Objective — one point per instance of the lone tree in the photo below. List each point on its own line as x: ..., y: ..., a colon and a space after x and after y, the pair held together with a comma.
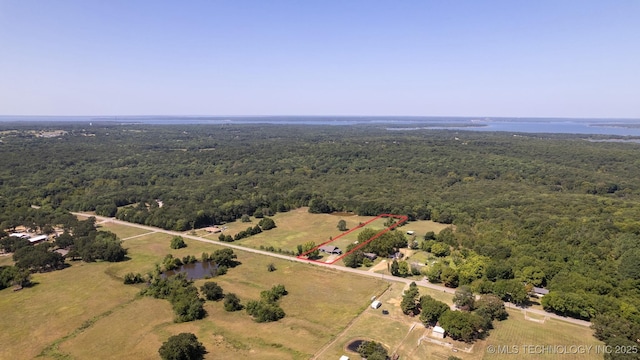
x: 212, y: 291
x: 232, y: 303
x: 184, y: 346
x: 342, y: 225
x: 178, y: 242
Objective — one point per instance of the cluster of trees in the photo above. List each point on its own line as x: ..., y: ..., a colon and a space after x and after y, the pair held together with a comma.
x: 372, y: 350
x: 267, y: 308
x: 181, y: 293
x: 471, y: 320
x: 384, y: 245
x: 554, y: 210
x: 306, y: 249
x: 460, y: 266
x: 80, y: 237
x: 214, y: 292
x: 14, y: 276
x: 38, y: 258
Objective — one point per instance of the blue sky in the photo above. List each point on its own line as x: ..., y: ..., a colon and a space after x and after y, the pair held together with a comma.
x: 577, y: 58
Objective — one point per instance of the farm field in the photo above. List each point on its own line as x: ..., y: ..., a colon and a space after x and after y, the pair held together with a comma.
x: 86, y: 310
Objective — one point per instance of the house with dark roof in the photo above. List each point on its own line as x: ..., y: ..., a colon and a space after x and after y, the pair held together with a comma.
x: 370, y: 256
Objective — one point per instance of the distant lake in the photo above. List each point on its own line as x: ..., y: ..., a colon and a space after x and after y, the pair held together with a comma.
x: 621, y: 127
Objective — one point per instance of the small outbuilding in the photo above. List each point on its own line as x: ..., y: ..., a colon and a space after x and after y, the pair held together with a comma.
x: 344, y: 357
x: 213, y: 229
x: 38, y: 239
x: 63, y: 252
x: 376, y: 304
x: 437, y: 332
x: 539, y: 292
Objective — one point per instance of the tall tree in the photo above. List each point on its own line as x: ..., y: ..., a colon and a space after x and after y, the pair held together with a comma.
x: 184, y: 346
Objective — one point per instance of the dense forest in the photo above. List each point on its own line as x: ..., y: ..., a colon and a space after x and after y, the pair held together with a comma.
x: 554, y: 210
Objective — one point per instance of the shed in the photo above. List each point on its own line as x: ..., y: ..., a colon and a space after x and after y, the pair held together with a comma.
x: 63, y: 252
x: 344, y: 357
x: 437, y: 332
x: 540, y: 292
x: 376, y: 304
x: 410, y: 232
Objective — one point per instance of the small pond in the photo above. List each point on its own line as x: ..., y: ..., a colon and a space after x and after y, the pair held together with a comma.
x: 353, y: 346
x: 194, y: 271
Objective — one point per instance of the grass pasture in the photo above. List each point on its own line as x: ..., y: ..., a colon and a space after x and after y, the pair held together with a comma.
x: 296, y: 227
x: 85, y: 311
x: 123, y: 231
x: 299, y: 226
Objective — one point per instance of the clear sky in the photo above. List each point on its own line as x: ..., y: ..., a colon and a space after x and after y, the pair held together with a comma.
x: 569, y: 58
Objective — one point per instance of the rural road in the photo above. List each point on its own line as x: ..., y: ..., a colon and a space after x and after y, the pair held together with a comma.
x: 423, y: 283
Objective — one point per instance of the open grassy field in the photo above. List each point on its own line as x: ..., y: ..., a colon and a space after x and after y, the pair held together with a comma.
x: 518, y: 331
x: 85, y: 311
x: 6, y: 260
x: 59, y: 303
x: 299, y: 226
x: 123, y: 231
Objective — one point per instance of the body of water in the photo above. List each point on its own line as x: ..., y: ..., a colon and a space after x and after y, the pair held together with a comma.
x: 620, y: 127
x: 194, y: 271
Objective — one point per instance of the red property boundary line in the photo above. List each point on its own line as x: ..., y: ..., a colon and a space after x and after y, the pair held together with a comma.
x: 402, y: 219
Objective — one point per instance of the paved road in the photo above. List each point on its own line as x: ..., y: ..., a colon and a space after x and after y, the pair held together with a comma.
x: 423, y: 283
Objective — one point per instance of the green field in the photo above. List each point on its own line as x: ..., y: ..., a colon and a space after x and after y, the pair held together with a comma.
x: 298, y: 226
x: 123, y: 231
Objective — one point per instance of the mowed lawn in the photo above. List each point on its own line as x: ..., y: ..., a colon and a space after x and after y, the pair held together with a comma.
x: 518, y: 331
x: 86, y: 312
